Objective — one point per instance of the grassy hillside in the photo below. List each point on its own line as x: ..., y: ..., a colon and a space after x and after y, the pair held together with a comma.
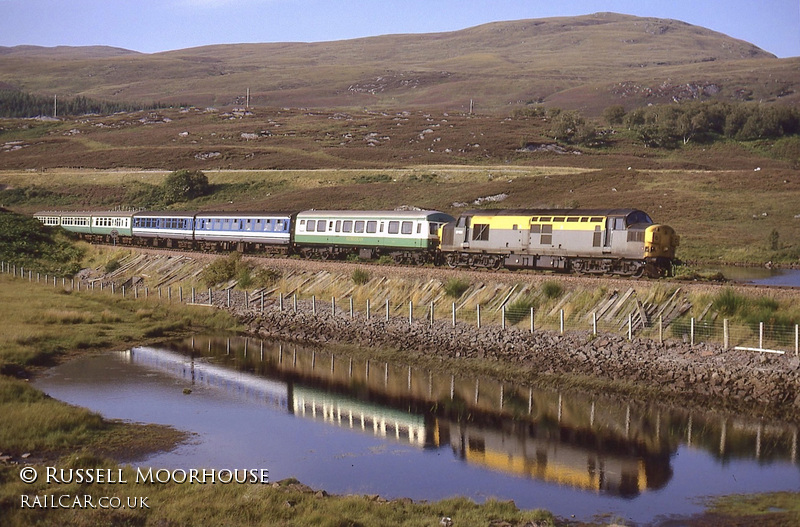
x: 558, y: 60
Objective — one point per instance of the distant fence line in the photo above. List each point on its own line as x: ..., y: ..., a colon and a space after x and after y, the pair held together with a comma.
x: 765, y: 338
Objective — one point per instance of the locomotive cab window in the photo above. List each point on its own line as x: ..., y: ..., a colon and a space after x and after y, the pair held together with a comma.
x: 638, y: 216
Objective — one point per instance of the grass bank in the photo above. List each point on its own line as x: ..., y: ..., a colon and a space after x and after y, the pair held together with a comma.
x: 45, y: 326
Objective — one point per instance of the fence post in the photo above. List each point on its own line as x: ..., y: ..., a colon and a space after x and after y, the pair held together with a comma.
x: 210, y: 297
x: 194, y: 296
x: 725, y: 334
x: 479, y: 315
x: 503, y: 317
x: 594, y: 323
x: 561, y: 320
x: 532, y: 315
x: 630, y: 326
x: 432, y: 312
x: 352, y: 314
x: 314, y: 305
x: 280, y: 302
x: 410, y: 311
x: 294, y: 300
x: 761, y: 335
x: 180, y: 294
x: 333, y: 306
x: 660, y: 328
x: 454, y: 314
x: 368, y: 313
x: 229, y: 299
x: 691, y: 333
x: 796, y: 340
x: 387, y: 310
x: 262, y: 300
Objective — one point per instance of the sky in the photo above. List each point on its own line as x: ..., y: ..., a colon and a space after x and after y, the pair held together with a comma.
x: 151, y: 26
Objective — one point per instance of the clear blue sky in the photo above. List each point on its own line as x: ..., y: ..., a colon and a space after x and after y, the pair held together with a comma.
x: 160, y: 25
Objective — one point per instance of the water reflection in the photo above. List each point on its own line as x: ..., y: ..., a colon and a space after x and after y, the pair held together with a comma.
x: 586, y: 443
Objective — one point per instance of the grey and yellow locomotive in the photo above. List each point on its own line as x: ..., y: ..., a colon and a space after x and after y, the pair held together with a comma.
x: 601, y: 241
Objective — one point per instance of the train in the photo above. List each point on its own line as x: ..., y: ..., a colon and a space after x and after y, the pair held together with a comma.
x: 623, y: 242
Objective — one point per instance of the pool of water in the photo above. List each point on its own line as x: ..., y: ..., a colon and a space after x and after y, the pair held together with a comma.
x: 758, y: 275
x: 350, y: 425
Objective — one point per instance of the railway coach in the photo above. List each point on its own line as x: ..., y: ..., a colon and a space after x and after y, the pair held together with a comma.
x: 405, y: 236
x: 99, y: 227
x: 601, y: 241
x: 244, y: 231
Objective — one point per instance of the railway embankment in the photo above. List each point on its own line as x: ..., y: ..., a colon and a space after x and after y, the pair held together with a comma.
x: 313, y: 303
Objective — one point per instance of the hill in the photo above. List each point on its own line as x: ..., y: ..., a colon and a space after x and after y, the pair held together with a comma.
x: 587, y: 62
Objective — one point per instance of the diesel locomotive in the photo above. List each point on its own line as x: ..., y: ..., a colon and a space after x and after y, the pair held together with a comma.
x: 592, y: 241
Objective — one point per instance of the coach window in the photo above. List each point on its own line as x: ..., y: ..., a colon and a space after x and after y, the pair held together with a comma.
x: 311, y: 225
x: 394, y: 227
x: 419, y: 228
x: 372, y: 226
x: 573, y: 219
x: 347, y: 226
x: 584, y: 219
x: 321, y: 225
x: 359, y: 227
x: 279, y: 225
x: 338, y: 226
x: 558, y: 218
x: 407, y: 227
x: 248, y: 226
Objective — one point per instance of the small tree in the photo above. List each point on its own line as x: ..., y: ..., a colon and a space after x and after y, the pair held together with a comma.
x: 183, y: 185
x: 614, y: 114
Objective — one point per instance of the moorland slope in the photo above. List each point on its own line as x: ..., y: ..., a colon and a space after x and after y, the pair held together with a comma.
x: 585, y: 62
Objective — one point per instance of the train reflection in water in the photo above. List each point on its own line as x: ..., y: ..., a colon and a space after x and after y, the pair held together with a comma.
x: 591, y: 443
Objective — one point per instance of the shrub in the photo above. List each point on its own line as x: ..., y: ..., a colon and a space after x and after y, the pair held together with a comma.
x: 221, y: 270
x: 728, y: 302
x: 360, y: 276
x: 552, y: 289
x: 455, y: 287
x: 111, y: 266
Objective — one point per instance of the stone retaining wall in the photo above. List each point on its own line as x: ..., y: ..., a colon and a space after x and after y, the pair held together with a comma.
x: 705, y: 373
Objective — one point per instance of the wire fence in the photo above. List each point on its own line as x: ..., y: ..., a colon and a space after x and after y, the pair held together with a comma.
x: 765, y: 336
